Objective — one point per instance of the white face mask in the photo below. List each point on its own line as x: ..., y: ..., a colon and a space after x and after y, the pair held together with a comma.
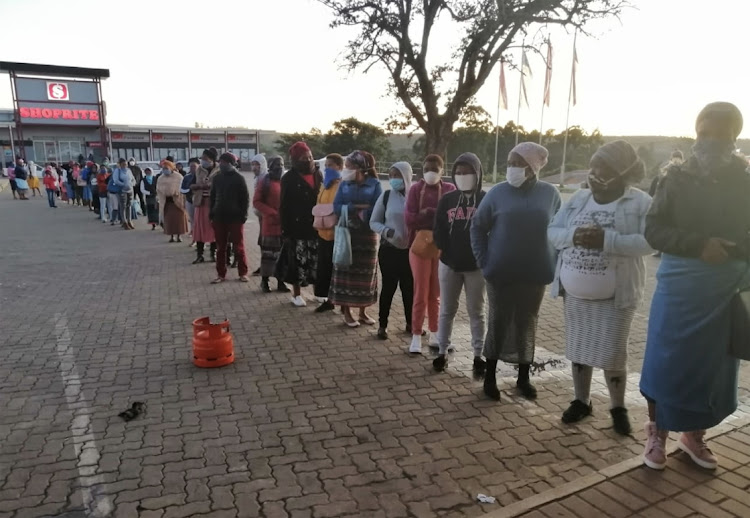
x: 431, y: 177
x: 348, y: 175
x: 131, y: 163
x: 516, y: 176
x: 466, y: 182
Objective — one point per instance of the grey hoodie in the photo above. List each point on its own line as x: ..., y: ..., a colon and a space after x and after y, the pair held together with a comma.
x: 384, y: 219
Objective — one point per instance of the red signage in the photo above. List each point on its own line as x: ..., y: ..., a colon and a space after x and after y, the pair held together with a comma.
x: 49, y: 113
x: 57, y: 91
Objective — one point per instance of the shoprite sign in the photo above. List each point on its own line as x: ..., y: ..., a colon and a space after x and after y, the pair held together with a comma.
x: 69, y: 103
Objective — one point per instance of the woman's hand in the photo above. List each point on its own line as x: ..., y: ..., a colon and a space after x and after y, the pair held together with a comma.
x: 716, y: 250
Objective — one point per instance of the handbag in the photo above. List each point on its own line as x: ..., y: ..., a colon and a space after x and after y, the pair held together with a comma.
x: 739, y: 311
x: 324, y: 216
x: 424, y: 243
x: 342, y: 241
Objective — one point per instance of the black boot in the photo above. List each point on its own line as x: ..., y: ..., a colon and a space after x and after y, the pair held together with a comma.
x: 212, y: 253
x: 479, y: 367
x: 199, y: 259
x: 281, y: 287
x: 265, y: 288
x: 490, y: 381
x: 523, y: 384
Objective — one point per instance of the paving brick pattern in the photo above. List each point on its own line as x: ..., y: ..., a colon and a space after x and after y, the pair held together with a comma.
x: 683, y: 490
x: 312, y: 419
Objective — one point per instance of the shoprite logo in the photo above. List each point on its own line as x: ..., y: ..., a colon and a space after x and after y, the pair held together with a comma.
x: 57, y: 91
x: 55, y: 113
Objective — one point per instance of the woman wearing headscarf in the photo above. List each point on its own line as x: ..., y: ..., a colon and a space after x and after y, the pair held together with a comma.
x: 21, y: 172
x: 259, y: 167
x: 266, y: 201
x: 297, y: 263
x: 331, y: 180
x: 421, y: 207
x: 203, y: 231
x: 148, y: 189
x: 356, y: 286
x: 34, y: 184
x: 389, y: 221
x: 171, y: 202
x: 700, y: 220
x: 458, y: 270
x: 602, y: 273
x: 509, y: 239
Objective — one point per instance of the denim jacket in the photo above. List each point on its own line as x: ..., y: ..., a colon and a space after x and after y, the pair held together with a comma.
x: 626, y: 244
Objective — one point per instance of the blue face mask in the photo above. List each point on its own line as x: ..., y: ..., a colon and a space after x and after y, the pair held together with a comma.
x: 397, y: 184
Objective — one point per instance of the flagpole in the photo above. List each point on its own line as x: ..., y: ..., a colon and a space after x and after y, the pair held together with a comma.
x: 520, y: 91
x: 567, y: 116
x: 544, y: 100
x: 497, y: 130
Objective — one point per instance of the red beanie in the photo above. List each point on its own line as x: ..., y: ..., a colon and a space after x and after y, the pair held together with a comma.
x: 298, y: 150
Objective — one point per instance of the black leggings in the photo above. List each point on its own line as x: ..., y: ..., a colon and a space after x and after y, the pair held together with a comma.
x: 395, y: 270
x: 324, y: 272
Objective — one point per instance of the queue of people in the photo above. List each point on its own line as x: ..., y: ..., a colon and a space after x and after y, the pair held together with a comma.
x: 502, y: 249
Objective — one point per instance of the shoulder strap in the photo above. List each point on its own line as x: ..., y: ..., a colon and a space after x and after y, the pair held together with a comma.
x: 385, y: 199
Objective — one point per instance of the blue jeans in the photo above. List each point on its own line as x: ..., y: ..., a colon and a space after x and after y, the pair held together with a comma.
x: 51, y: 197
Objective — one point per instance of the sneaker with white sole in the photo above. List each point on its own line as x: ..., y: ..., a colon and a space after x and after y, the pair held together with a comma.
x: 655, y: 456
x: 694, y: 445
x: 416, y: 345
x: 321, y: 300
x: 299, y: 302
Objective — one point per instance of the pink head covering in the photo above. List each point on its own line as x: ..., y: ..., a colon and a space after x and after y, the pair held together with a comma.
x: 534, y: 155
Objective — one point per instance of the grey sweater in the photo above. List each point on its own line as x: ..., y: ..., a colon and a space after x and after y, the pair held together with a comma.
x: 509, y: 233
x: 384, y: 219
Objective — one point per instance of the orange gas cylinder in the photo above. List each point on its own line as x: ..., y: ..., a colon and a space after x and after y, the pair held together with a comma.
x: 213, y: 345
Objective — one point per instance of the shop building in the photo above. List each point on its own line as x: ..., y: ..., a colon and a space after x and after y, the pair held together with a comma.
x: 59, y: 115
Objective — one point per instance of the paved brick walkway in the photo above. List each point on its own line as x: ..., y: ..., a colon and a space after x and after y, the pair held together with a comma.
x: 313, y: 419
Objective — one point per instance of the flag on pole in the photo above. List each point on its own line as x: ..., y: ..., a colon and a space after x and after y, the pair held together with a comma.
x: 525, y: 71
x: 548, y: 74
x: 503, y: 88
x: 575, y: 63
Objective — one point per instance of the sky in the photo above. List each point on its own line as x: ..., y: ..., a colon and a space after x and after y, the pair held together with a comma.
x: 276, y: 65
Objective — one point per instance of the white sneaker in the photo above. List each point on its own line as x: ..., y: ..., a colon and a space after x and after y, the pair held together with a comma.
x: 299, y: 302
x: 321, y: 300
x: 451, y: 348
x: 416, y: 345
x: 434, y: 343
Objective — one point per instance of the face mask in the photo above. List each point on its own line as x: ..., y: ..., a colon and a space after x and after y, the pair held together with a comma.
x: 466, y: 182
x: 431, y: 177
x: 131, y: 163
x: 225, y: 168
x: 348, y: 175
x: 207, y: 164
x: 712, y: 153
x: 166, y: 171
x: 601, y: 186
x: 397, y: 184
x: 516, y: 176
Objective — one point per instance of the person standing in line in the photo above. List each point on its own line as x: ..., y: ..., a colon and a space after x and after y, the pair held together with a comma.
x: 331, y: 181
x: 601, y: 272
x: 93, y: 183
x: 84, y: 180
x: 421, y: 207
x: 356, y: 286
x: 70, y: 188
x: 21, y: 175
x: 171, y: 202
x: 102, y: 181
x: 300, y: 186
x: 12, y: 182
x: 266, y: 201
x: 509, y: 240
x: 259, y: 167
x: 229, y: 203
x: 700, y: 219
x: 113, y: 199
x: 124, y: 179
x: 187, y: 192
x: 33, y: 184
x: 203, y: 231
x: 148, y: 188
x: 388, y: 220
x: 458, y: 270
x: 50, y: 185
x: 138, y: 176
x: 80, y: 183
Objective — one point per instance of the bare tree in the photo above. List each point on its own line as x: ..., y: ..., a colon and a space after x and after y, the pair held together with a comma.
x: 397, y: 34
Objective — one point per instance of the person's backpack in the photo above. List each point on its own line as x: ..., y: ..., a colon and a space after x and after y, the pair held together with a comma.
x: 385, y: 199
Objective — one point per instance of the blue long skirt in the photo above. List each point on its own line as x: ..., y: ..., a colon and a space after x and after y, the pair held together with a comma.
x: 687, y: 370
